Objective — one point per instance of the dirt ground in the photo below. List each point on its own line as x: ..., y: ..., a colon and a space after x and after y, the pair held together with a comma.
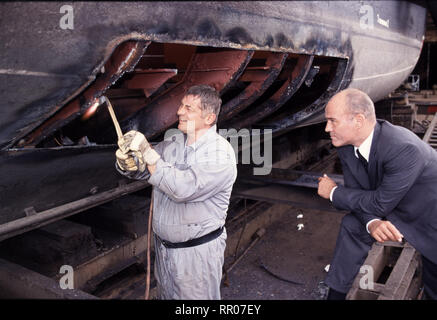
x: 292, y: 254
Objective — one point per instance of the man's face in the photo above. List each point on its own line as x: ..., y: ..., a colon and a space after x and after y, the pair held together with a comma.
x: 340, y: 124
x: 190, y: 115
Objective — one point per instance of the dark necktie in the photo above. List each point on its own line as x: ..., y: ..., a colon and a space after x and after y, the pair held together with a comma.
x: 362, y: 159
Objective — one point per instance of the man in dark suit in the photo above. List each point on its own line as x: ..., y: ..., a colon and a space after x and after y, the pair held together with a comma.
x: 390, y: 189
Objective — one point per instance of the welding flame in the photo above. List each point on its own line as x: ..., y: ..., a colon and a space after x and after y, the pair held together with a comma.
x: 91, y: 110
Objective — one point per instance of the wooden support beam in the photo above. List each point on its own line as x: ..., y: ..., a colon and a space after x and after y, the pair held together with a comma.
x: 19, y: 282
x: 430, y: 130
x: 22, y: 225
x: 89, y: 274
x: 400, y: 278
x: 377, y: 259
x: 46, y: 249
x: 404, y: 280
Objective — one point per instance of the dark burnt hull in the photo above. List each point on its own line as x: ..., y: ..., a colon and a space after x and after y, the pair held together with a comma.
x: 275, y: 63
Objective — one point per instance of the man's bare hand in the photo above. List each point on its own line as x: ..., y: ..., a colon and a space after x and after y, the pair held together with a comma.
x: 326, y: 184
x: 384, y: 231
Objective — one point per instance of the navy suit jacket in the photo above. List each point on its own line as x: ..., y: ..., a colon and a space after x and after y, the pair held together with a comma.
x: 400, y: 185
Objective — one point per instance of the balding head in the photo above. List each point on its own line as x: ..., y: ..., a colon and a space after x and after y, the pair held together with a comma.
x: 357, y: 102
x: 350, y: 116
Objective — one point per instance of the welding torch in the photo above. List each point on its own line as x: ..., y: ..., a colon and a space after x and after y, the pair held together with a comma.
x: 113, y: 117
x: 124, y: 153
x: 134, y: 151
x: 94, y: 107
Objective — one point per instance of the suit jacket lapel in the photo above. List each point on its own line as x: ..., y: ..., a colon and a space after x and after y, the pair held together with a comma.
x: 357, y: 168
x: 372, y: 167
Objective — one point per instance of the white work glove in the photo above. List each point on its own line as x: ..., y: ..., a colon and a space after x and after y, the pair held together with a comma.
x: 126, y: 161
x: 136, y: 142
x: 125, y: 141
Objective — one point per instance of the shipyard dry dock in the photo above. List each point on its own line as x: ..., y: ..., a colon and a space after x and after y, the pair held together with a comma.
x: 64, y: 209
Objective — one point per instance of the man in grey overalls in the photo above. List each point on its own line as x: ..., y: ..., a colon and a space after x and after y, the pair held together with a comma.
x: 192, y: 172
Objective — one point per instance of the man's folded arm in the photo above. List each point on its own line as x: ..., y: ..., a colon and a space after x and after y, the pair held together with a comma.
x: 351, y: 182
x: 401, y: 171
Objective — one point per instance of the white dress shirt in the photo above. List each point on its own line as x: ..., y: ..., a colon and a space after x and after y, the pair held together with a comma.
x: 364, y: 149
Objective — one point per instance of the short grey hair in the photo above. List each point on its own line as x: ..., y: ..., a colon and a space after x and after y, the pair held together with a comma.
x: 209, y: 98
x: 359, y: 102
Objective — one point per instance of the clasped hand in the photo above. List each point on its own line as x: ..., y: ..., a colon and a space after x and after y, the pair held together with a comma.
x: 383, y: 230
x: 326, y: 185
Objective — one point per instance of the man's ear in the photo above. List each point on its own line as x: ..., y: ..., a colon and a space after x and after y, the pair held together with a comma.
x: 210, y: 118
x: 360, y: 119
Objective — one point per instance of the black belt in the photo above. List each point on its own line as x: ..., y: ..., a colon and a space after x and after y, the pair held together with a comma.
x: 193, y: 242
